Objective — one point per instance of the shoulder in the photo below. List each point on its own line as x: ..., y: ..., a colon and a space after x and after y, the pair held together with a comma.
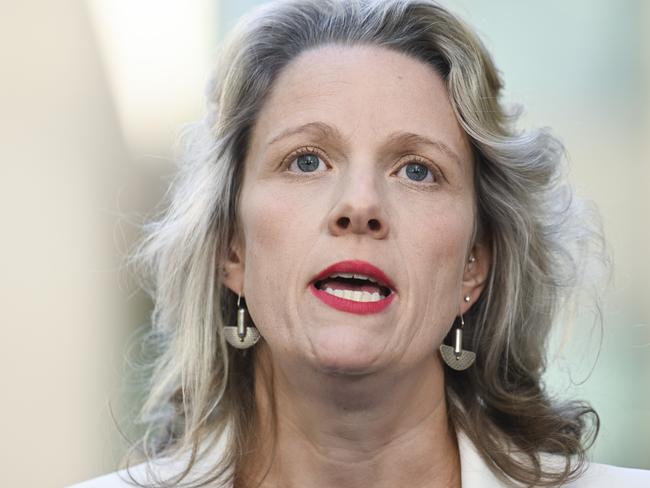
x: 150, y: 473
x: 595, y: 475
x: 606, y: 476
x: 166, y: 469
x: 158, y: 471
x: 119, y: 479
x: 476, y: 474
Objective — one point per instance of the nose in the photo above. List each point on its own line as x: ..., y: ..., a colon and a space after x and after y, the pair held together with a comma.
x: 359, y: 209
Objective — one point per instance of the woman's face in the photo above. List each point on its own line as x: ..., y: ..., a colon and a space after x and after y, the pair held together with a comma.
x: 356, y: 155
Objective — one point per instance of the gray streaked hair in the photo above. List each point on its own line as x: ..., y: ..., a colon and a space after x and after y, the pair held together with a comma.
x: 542, y: 238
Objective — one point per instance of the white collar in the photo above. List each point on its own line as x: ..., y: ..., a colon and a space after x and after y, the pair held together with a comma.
x: 474, y: 471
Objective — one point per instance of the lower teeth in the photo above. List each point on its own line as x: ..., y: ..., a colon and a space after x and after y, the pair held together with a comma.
x: 356, y: 295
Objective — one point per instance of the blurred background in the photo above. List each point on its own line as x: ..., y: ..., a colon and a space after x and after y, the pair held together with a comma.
x: 93, y: 93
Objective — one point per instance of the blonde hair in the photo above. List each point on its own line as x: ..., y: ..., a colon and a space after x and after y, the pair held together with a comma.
x: 540, y: 235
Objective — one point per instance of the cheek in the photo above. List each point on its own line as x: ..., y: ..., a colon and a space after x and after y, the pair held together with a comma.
x: 265, y: 216
x: 439, y: 234
x: 435, y: 245
x: 280, y: 222
x: 269, y: 219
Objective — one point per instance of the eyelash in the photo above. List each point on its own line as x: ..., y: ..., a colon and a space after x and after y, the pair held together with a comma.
x: 435, y: 172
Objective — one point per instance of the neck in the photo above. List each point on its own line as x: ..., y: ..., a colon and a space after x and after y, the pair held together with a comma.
x: 380, y: 430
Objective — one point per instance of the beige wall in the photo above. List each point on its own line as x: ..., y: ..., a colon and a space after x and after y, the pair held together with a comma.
x: 62, y: 312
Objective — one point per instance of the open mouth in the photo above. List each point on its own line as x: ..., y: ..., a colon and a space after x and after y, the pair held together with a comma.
x: 350, y: 286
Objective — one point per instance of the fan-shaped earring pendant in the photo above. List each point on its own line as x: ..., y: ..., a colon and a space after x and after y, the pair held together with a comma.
x: 249, y: 339
x: 459, y: 362
x: 241, y: 336
x: 456, y: 357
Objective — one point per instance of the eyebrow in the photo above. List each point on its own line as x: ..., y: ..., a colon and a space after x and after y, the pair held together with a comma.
x: 320, y: 128
x: 396, y: 138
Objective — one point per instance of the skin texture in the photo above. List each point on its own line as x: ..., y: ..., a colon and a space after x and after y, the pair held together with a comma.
x: 359, y: 398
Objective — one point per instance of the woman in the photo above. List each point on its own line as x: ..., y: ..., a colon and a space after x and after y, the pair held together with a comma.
x: 359, y: 268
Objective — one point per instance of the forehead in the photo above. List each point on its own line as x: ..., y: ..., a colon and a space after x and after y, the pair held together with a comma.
x: 366, y: 92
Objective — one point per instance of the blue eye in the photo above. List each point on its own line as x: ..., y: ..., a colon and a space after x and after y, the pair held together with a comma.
x: 417, y: 172
x: 307, y: 162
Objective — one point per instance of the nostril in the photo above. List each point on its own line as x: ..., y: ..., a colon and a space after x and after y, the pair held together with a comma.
x: 374, y: 224
x: 343, y: 222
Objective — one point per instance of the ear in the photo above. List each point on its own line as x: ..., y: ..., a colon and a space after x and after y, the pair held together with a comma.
x: 475, y: 275
x: 232, y: 267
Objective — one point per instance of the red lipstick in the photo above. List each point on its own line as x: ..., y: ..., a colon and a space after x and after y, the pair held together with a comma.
x: 357, y: 267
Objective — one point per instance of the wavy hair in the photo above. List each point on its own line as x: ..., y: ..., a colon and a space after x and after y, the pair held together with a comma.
x: 542, y: 239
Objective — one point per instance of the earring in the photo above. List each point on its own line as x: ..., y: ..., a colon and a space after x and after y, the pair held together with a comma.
x: 456, y: 357
x: 241, y: 336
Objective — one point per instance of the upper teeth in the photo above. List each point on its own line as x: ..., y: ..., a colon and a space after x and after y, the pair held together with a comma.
x: 353, y: 275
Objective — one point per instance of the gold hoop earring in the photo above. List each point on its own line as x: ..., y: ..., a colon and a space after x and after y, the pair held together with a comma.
x: 455, y: 356
x: 241, y: 336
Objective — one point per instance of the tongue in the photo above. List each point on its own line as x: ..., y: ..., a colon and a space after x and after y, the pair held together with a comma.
x: 344, y: 285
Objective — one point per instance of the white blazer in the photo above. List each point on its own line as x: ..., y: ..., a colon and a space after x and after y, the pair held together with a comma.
x: 474, y: 473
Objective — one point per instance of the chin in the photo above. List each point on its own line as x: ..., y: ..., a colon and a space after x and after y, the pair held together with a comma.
x: 344, y: 355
